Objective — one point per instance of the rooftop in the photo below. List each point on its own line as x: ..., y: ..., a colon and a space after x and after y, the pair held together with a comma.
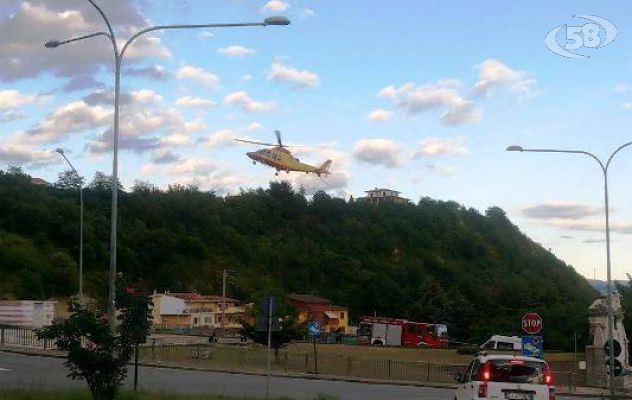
x: 308, y: 298
x: 381, y: 190
x: 191, y: 296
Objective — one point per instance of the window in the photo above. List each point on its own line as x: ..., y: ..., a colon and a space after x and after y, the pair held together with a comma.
x: 411, y: 330
x: 489, y: 345
x: 195, y: 321
x: 468, y: 371
x: 475, y: 370
x: 516, y: 371
x: 342, y: 315
x: 505, y: 346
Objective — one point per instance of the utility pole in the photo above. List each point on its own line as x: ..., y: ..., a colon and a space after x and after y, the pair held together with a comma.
x: 223, y: 302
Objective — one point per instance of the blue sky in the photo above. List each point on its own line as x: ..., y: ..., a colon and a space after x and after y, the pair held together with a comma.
x: 418, y: 96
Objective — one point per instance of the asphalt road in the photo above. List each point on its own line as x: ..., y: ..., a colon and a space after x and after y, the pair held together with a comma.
x: 45, y: 372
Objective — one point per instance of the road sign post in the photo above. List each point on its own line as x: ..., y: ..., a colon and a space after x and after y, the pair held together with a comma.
x: 313, y: 329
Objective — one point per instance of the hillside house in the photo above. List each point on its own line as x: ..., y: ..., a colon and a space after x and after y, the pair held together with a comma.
x: 377, y: 196
x: 332, y: 318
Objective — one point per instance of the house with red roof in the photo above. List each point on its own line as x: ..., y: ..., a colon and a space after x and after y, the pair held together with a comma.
x: 332, y: 317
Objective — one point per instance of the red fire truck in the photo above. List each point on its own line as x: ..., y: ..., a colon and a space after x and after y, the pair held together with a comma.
x: 400, y: 332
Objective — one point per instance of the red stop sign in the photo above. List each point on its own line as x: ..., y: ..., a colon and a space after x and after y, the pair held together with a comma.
x: 532, y: 323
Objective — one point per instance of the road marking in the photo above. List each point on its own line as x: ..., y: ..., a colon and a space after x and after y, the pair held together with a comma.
x: 4, y: 369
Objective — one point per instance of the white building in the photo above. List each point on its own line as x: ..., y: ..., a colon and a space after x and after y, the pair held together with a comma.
x: 27, y: 313
x: 377, y: 196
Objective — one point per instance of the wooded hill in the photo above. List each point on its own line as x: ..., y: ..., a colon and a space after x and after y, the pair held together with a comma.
x: 433, y: 261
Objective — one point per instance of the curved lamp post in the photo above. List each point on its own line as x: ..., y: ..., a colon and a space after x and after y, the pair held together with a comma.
x: 118, y: 58
x: 604, y: 170
x: 61, y: 152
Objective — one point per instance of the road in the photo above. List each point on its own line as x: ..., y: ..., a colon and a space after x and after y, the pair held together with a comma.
x: 46, y: 372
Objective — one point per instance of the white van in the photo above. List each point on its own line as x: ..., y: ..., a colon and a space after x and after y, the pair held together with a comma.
x: 498, y: 342
x: 505, y: 377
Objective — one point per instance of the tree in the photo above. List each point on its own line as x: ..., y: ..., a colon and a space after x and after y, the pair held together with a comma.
x: 102, y: 360
x: 69, y: 180
x: 102, y: 182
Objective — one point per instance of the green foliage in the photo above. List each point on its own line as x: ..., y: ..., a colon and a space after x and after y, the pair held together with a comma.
x: 94, y: 354
x: 433, y: 261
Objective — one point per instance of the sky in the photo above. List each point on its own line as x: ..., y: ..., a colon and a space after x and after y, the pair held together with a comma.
x: 417, y: 96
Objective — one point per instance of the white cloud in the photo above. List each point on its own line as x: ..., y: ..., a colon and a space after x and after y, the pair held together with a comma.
x: 19, y: 154
x: 191, y: 166
x: 626, y: 106
x: 145, y: 96
x: 297, y: 78
x: 493, y: 73
x: 222, y: 137
x: 198, y: 102
x: 588, y: 226
x: 380, y: 114
x: 246, y: 103
x: 198, y: 75
x: 432, y: 147
x: 13, y: 99
x: 378, y: 152
x: 246, y: 78
x: 275, y: 6
x: 560, y: 210
x: 206, y: 35
x: 439, y: 95
x: 236, y: 51
x: 445, y: 170
x: 336, y: 183
x: 307, y: 12
x: 73, y: 117
x: 35, y: 22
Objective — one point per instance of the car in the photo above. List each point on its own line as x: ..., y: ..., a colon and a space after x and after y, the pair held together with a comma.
x: 499, y: 342
x: 505, y: 377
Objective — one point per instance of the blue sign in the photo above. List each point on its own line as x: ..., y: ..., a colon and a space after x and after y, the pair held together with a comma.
x: 532, y: 346
x: 313, y: 328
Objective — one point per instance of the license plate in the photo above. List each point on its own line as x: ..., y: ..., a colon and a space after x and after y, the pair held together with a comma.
x: 518, y: 396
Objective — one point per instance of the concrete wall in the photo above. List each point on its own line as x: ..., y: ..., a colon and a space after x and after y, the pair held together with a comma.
x: 27, y: 313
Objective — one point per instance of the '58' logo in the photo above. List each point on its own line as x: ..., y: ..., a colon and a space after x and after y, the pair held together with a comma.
x: 590, y: 35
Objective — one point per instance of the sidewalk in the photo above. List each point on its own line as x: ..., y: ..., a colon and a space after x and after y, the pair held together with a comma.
x: 586, y: 392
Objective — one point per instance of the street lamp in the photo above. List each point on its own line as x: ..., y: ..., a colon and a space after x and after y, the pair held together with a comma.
x: 61, y: 152
x: 604, y: 169
x: 118, y: 58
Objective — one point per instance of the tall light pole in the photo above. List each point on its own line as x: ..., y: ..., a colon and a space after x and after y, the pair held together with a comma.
x: 118, y: 58
x: 61, y: 152
x: 604, y: 170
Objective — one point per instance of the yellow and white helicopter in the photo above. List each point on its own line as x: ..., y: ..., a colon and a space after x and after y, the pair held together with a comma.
x: 279, y: 158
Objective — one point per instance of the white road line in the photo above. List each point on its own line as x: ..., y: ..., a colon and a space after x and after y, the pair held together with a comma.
x: 4, y: 369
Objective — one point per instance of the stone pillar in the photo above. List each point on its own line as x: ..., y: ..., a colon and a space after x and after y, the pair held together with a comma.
x: 595, y: 355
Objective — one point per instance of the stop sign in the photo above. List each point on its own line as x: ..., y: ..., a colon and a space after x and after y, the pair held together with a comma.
x: 532, y: 323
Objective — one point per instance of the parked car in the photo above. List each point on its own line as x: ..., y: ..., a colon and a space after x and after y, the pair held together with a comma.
x: 498, y: 342
x: 505, y: 377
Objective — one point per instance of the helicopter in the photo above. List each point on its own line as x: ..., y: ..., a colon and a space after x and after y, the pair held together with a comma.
x: 279, y: 158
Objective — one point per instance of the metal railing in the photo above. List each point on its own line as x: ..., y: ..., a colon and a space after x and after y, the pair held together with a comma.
x: 284, y: 361
x: 23, y: 337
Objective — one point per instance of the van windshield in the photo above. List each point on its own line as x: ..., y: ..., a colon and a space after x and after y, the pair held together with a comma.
x: 516, y: 371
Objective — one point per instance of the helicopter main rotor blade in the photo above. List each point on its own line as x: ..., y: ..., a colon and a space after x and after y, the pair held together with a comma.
x: 278, y: 136
x: 252, y: 142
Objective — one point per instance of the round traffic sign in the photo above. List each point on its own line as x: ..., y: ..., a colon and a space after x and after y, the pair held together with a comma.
x: 618, y: 368
x: 617, y: 348
x: 532, y: 323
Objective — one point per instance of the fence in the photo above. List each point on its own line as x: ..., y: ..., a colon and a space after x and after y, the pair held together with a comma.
x: 23, y: 337
x: 249, y: 359
x: 282, y: 361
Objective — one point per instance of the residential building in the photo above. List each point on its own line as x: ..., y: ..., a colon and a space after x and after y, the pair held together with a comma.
x: 332, y: 318
x: 39, y: 182
x: 196, y: 311
x: 27, y: 313
x: 377, y: 196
